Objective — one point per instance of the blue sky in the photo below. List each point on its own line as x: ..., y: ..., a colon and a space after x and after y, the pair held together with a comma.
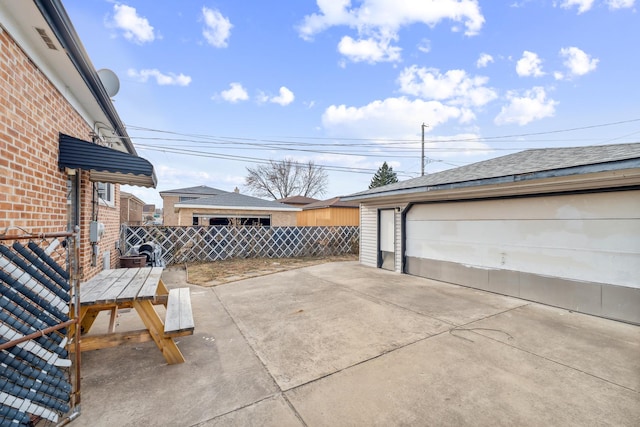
x: 208, y: 88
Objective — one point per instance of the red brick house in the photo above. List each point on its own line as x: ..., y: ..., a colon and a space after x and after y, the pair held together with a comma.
x: 63, y: 148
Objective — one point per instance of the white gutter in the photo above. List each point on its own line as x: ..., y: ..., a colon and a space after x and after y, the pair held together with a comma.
x: 584, y: 182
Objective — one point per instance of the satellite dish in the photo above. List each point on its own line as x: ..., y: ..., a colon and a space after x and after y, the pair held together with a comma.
x: 109, y: 81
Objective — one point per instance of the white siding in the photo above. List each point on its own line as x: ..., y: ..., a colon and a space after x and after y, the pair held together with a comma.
x: 368, y: 236
x: 589, y: 237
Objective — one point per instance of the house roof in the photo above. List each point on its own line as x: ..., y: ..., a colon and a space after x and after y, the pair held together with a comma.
x: 335, y: 202
x: 65, y: 63
x: 235, y: 201
x: 297, y: 200
x: 125, y: 195
x: 200, y: 190
x: 522, y: 166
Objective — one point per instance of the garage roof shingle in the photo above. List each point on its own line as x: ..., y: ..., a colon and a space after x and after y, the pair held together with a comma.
x: 518, y: 164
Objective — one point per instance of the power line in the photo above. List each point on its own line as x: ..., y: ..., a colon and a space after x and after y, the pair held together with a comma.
x: 388, y: 140
x: 197, y: 153
x: 393, y: 148
x: 447, y: 149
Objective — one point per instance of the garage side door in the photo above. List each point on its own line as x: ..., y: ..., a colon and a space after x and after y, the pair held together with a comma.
x: 387, y: 239
x: 577, y: 251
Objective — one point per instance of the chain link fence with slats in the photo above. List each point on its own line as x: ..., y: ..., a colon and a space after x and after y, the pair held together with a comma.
x: 216, y: 243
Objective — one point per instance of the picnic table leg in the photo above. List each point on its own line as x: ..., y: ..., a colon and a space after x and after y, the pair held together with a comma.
x: 152, y: 321
x: 87, y: 317
x: 112, y: 320
x: 162, y: 293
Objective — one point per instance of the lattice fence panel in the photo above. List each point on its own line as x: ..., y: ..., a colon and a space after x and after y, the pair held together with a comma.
x: 216, y: 243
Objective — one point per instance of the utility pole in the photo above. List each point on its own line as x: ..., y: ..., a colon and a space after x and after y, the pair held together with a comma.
x: 422, y: 158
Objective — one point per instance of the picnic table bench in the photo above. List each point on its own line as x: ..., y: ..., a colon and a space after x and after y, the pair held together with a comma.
x: 140, y: 289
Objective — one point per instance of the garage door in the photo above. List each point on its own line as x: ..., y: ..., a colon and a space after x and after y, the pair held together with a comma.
x: 576, y: 251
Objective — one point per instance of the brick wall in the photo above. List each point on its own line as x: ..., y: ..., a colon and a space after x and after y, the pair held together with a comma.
x: 33, y: 192
x: 169, y: 216
x: 131, y: 211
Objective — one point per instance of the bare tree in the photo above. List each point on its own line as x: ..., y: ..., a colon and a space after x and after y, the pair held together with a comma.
x: 314, y: 180
x: 280, y: 179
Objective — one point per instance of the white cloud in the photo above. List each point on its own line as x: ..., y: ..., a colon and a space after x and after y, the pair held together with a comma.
x: 532, y: 105
x: 369, y: 50
x: 170, y: 173
x: 529, y: 65
x: 454, y: 86
x: 484, y: 60
x: 162, y: 79
x: 620, y: 4
x: 381, y: 15
x: 217, y: 28
x: 388, y: 118
x: 424, y: 46
x: 286, y: 97
x: 262, y: 97
x: 136, y: 28
x: 400, y: 118
x: 578, y: 63
x: 583, y: 5
x: 235, y: 93
x: 377, y: 22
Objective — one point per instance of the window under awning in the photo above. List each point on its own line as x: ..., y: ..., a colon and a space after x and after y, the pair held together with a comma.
x: 105, y: 164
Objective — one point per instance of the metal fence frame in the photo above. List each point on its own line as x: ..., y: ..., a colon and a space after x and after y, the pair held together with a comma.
x: 216, y: 243
x: 39, y: 271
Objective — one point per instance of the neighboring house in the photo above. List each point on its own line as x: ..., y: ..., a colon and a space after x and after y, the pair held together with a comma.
x: 131, y: 209
x: 297, y: 201
x: 224, y: 208
x: 63, y: 148
x: 558, y: 226
x: 149, y: 214
x: 329, y: 212
x: 171, y: 197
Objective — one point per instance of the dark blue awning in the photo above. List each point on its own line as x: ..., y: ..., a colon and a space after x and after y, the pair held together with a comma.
x: 105, y: 164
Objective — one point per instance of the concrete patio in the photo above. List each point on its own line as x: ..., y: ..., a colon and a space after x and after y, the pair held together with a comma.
x: 345, y: 345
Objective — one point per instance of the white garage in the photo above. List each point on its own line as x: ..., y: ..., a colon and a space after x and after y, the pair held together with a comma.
x: 556, y: 226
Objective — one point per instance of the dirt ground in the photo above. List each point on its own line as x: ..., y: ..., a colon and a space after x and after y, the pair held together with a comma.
x: 219, y: 272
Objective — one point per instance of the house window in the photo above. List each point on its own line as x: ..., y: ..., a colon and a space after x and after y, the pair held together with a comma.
x: 106, y: 193
x: 218, y: 221
x: 187, y: 198
x: 241, y: 221
x: 195, y: 220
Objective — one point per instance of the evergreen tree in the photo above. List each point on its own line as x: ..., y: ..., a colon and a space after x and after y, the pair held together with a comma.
x: 384, y: 176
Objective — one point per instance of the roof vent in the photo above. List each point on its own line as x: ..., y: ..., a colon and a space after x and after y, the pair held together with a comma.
x: 46, y: 39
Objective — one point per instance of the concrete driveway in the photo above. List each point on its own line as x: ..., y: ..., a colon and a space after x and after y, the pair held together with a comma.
x: 345, y: 345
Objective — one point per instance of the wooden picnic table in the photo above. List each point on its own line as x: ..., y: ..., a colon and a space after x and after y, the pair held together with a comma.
x: 140, y: 289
